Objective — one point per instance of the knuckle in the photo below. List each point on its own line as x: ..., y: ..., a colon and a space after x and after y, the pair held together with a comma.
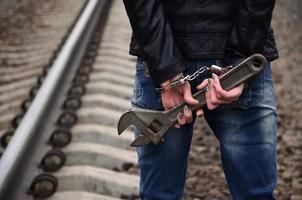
x: 199, y: 114
x: 188, y: 118
x: 213, y: 102
x: 186, y: 97
x: 219, y: 95
x: 211, y: 107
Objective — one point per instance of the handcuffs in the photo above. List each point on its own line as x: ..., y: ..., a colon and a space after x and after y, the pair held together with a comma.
x: 180, y: 81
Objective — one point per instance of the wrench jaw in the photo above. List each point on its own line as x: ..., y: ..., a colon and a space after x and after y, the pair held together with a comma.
x: 156, y: 125
x: 140, y: 141
x: 127, y: 119
x: 155, y: 138
x: 151, y: 124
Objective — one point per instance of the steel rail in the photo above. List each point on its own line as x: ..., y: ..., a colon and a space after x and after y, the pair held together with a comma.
x: 29, y: 143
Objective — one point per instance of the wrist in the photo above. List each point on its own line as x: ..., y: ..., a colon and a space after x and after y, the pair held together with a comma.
x: 167, y: 82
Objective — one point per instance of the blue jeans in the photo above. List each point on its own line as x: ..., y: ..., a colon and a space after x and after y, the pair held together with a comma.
x: 246, y: 130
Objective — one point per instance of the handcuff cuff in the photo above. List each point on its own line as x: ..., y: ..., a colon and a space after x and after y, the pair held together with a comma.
x: 180, y: 81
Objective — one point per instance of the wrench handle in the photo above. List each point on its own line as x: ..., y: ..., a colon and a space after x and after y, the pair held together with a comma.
x: 237, y: 75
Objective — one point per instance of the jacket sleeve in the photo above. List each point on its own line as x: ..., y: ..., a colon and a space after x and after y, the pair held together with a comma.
x: 250, y: 31
x: 154, y: 36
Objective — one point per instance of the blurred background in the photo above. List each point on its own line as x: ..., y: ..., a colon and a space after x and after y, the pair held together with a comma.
x: 31, y: 34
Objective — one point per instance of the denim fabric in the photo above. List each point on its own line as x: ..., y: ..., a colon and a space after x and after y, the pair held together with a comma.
x: 246, y: 130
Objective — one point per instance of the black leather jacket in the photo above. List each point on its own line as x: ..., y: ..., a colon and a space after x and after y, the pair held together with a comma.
x: 168, y: 32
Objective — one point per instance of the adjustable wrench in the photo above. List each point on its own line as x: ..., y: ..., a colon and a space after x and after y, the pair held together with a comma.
x: 153, y: 125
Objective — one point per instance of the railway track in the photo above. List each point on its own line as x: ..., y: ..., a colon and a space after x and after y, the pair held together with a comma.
x: 72, y: 151
x: 30, y: 36
x: 62, y: 143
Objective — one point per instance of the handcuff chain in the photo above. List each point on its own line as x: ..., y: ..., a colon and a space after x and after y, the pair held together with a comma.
x: 195, y: 74
x: 183, y: 79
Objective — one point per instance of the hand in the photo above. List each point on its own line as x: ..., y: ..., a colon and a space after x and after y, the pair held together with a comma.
x: 177, y: 95
x: 216, y: 95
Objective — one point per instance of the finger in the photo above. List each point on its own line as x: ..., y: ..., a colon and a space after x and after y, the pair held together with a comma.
x: 231, y: 94
x: 188, y: 114
x: 203, y: 84
x: 199, y: 113
x: 208, y: 98
x: 213, y: 98
x: 177, y: 125
x: 217, y: 86
x: 181, y: 119
x: 188, y: 98
x: 237, y: 90
x: 223, y: 94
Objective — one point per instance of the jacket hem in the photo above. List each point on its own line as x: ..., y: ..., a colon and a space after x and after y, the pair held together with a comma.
x: 269, y: 56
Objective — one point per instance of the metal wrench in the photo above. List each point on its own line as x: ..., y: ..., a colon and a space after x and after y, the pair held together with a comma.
x: 153, y: 125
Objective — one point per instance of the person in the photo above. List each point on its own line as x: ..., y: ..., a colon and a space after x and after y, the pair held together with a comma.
x: 172, y: 38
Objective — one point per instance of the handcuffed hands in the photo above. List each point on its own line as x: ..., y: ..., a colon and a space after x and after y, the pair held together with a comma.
x: 176, y: 95
x: 215, y: 96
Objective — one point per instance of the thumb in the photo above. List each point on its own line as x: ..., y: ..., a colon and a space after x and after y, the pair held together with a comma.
x: 188, y: 94
x: 203, y: 84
